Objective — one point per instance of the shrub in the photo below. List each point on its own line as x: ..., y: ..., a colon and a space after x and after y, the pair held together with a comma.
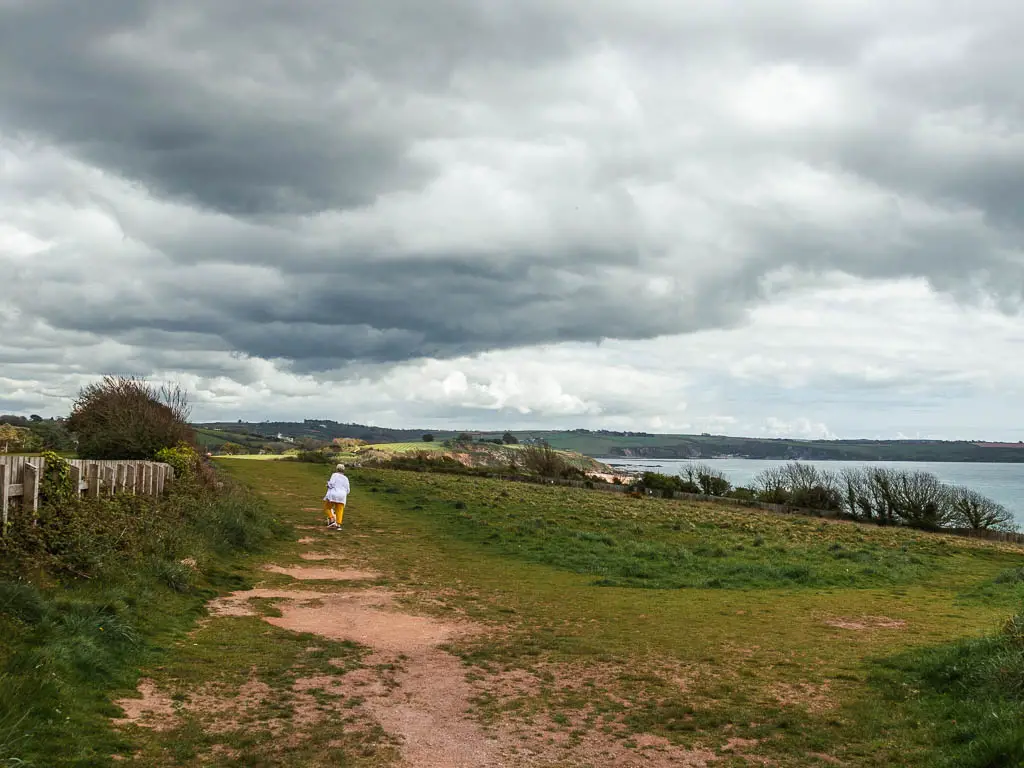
x: 667, y: 485
x: 127, y: 418
x: 183, y: 458
x: 347, y: 443
x: 743, y: 494
x: 56, y: 487
x: 313, y: 457
x: 545, y: 461
x: 428, y: 438
x: 707, y: 480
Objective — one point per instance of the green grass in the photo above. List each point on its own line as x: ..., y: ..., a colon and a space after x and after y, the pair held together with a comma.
x: 633, y: 617
x: 96, y: 590
x: 967, y: 697
x: 639, y: 543
x: 553, y: 570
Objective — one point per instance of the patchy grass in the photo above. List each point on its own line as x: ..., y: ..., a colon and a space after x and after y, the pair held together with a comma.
x: 235, y: 695
x: 99, y: 588
x: 698, y: 624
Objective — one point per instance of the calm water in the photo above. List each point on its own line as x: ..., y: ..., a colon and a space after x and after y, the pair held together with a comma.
x: 1000, y: 482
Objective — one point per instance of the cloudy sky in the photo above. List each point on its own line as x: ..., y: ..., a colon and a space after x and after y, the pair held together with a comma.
x: 788, y: 217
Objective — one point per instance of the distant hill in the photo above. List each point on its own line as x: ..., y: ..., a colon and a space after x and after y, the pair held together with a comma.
x: 604, y: 443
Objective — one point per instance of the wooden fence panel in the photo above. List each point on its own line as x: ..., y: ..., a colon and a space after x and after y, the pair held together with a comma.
x: 30, y: 487
x: 21, y: 477
x: 4, y: 497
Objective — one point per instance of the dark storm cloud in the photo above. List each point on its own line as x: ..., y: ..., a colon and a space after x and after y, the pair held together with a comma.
x: 248, y: 107
x: 376, y: 181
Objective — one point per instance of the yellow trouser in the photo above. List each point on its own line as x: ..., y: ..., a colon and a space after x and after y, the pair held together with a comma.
x: 334, y: 510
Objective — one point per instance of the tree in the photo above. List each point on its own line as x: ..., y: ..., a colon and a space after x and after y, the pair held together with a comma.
x: 233, y: 449
x: 18, y: 439
x: 428, y: 438
x: 509, y: 439
x: 922, y: 500
x: 125, y: 417
x: 969, y: 509
x: 711, y: 482
x: 802, y: 485
x: 53, y: 434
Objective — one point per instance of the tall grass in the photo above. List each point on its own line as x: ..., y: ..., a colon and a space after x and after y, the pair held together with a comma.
x: 968, y: 695
x: 94, y: 590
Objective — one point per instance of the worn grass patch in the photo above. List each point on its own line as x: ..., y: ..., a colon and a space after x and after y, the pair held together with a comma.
x: 245, y: 693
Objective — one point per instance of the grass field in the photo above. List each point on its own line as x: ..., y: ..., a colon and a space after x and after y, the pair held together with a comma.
x: 417, y: 447
x: 750, y: 638
x: 254, y: 457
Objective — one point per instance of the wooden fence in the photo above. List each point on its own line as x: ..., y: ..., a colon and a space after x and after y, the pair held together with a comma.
x: 20, y: 477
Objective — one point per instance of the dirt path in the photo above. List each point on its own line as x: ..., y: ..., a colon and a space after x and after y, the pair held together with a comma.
x: 418, y: 693
x: 424, y: 701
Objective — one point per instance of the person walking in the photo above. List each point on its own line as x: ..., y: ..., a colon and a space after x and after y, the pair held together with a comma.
x: 337, y: 495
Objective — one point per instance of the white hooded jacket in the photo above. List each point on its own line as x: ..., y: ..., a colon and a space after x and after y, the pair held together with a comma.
x: 337, y: 489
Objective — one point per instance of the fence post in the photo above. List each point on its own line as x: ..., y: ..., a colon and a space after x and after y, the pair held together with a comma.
x: 30, y: 489
x: 147, y: 479
x: 4, y: 498
x: 129, y: 479
x: 76, y: 480
x: 93, y: 478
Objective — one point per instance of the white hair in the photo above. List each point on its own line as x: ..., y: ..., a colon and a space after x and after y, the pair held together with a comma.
x: 340, y: 467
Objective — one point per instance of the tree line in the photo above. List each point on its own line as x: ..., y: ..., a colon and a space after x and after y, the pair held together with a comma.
x: 882, y: 495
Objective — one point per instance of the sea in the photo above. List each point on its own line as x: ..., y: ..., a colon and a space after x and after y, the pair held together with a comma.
x: 1003, y: 483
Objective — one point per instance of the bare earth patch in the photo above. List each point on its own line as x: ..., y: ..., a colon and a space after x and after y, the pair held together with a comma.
x: 426, y: 706
x: 420, y: 694
x: 863, y: 623
x: 584, y: 737
x: 322, y: 574
x: 825, y: 758
x: 153, y: 709
x: 318, y: 556
x: 228, y: 713
x: 812, y: 697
